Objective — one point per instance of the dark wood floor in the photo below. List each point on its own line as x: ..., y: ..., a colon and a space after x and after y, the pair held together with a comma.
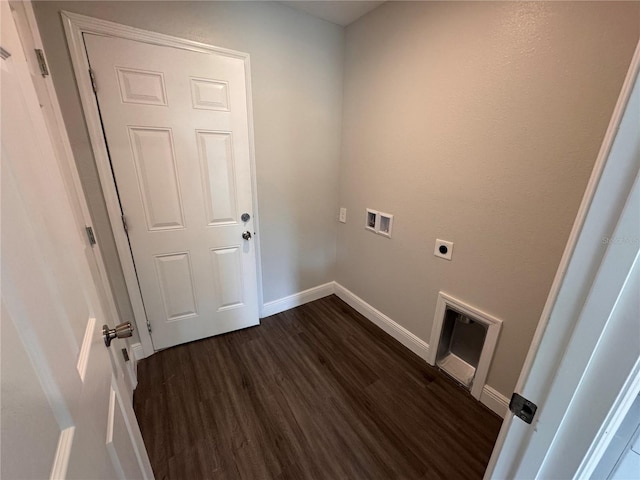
x: 317, y: 392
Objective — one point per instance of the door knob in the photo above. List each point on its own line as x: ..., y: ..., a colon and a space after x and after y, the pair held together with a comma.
x: 122, y: 330
x: 246, y: 235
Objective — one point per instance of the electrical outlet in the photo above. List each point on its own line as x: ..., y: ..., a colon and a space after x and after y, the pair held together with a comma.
x: 343, y: 215
x: 444, y: 249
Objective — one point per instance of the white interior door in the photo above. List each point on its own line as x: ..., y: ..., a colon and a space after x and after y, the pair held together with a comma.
x: 176, y: 126
x: 64, y: 414
x: 586, y: 348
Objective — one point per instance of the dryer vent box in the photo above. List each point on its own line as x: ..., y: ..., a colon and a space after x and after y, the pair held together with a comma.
x: 463, y: 339
x: 460, y: 346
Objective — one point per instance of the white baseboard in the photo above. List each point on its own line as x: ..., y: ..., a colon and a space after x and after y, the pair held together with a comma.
x: 495, y: 401
x: 136, y: 354
x: 490, y: 397
x: 137, y: 351
x: 297, y: 299
x: 401, y: 334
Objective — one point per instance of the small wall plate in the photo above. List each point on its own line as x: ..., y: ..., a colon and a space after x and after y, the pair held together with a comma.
x: 444, y: 249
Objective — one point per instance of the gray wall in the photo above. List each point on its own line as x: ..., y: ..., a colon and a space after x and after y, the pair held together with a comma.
x: 477, y: 123
x: 297, y: 72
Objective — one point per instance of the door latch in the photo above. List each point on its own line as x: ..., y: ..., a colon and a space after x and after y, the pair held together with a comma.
x: 90, y: 235
x: 522, y: 408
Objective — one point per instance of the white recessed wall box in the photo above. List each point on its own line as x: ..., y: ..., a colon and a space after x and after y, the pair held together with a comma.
x: 463, y: 340
x: 378, y: 222
x: 371, y: 220
x: 385, y: 224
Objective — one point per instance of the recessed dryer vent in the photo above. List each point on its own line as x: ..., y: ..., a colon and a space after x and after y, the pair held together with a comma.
x: 463, y: 339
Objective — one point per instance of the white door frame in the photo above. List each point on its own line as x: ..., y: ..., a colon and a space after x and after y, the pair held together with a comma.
x: 602, y: 207
x: 75, y: 26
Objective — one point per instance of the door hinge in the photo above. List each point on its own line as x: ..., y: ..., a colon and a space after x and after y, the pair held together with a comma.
x: 149, y: 325
x: 93, y: 81
x: 92, y: 237
x: 125, y: 354
x: 522, y: 408
x: 42, y: 62
x: 124, y: 223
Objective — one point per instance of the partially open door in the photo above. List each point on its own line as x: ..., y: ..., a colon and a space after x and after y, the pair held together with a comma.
x: 586, y: 346
x: 65, y: 412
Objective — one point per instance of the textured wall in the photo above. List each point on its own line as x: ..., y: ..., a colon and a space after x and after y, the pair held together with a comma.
x: 479, y: 123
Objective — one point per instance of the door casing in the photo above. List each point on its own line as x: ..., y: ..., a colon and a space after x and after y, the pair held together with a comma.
x: 75, y: 25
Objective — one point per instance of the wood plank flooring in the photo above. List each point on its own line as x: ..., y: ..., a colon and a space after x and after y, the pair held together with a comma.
x: 317, y: 392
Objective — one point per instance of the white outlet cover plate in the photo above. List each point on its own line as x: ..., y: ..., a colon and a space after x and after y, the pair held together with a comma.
x: 343, y: 215
x: 448, y: 245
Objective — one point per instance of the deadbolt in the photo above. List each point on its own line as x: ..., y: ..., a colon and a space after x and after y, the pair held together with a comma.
x: 123, y: 330
x: 246, y: 235
x: 245, y: 217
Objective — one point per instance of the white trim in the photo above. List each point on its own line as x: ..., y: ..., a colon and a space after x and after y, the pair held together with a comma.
x: 490, y: 397
x: 512, y: 439
x: 63, y: 453
x: 297, y: 299
x: 131, y: 424
x: 132, y: 365
x: 254, y: 183
x: 111, y: 418
x: 75, y: 26
x: 137, y: 351
x: 610, y: 426
x: 493, y: 330
x: 495, y: 401
x: 401, y: 334
x: 85, y: 349
x: 132, y: 372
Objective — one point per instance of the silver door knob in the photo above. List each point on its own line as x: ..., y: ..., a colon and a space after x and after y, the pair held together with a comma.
x: 122, y: 330
x: 246, y: 235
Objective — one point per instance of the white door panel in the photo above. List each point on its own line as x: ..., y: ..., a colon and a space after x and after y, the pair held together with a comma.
x: 56, y: 371
x: 157, y: 177
x: 215, y: 155
x: 33, y: 427
x: 176, y: 126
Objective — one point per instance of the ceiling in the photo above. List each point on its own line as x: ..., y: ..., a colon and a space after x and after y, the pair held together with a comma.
x: 339, y: 12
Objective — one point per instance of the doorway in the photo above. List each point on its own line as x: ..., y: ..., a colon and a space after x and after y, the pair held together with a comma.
x: 171, y: 127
